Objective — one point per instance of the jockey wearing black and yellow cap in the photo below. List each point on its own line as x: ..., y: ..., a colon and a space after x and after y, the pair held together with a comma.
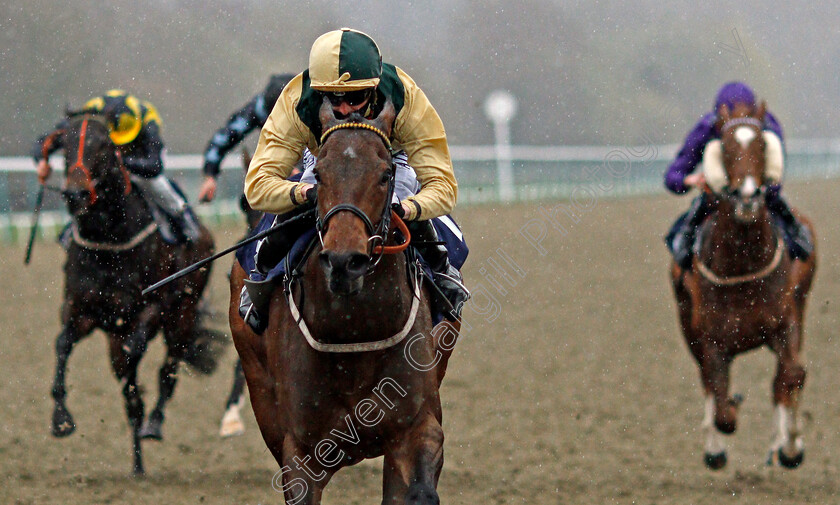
x: 135, y: 130
x: 346, y: 67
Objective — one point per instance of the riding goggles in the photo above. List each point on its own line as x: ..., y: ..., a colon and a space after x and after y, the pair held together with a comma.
x: 351, y: 98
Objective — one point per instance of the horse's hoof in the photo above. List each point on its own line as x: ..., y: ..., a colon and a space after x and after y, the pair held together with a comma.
x: 62, y: 423
x: 151, y: 430
x: 138, y: 472
x: 788, y: 462
x: 715, y: 461
x: 232, y: 425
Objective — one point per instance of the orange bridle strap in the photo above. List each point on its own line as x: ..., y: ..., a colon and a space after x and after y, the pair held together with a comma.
x: 394, y: 249
x: 81, y: 166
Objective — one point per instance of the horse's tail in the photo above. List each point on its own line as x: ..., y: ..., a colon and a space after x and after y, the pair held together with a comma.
x: 207, y: 347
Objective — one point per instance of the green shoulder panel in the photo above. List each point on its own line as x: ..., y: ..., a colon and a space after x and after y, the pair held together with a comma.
x: 390, y: 87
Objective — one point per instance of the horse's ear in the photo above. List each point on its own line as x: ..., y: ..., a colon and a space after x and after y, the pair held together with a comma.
x: 326, y: 115
x: 385, y: 120
x: 723, y: 113
x: 762, y: 111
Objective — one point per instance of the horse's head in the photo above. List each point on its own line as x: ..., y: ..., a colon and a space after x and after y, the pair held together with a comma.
x: 355, y: 177
x: 93, y: 169
x: 740, y: 165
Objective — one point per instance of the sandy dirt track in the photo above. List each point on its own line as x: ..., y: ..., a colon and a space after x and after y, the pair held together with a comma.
x: 579, y: 391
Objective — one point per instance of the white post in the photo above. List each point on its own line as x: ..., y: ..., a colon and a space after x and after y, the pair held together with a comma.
x: 500, y: 108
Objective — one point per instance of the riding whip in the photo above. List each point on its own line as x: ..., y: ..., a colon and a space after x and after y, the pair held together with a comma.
x: 199, y: 264
x: 39, y: 200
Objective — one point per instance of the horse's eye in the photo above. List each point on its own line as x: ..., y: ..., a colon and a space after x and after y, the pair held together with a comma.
x: 316, y: 175
x: 386, y: 177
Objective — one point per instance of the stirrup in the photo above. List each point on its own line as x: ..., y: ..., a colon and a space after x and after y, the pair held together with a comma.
x: 248, y: 313
x: 453, y: 290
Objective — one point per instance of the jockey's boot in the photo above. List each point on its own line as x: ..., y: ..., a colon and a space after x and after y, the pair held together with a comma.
x: 248, y: 312
x: 160, y: 192
x: 189, y: 225
x: 446, y: 277
x: 682, y: 242
x: 799, y: 238
x: 276, y: 246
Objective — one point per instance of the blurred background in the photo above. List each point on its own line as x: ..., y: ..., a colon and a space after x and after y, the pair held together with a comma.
x: 606, y: 74
x: 583, y: 72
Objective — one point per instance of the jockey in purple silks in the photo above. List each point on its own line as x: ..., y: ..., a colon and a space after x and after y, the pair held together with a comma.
x: 680, y: 178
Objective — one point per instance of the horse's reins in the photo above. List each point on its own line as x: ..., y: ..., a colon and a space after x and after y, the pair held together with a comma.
x: 377, y: 234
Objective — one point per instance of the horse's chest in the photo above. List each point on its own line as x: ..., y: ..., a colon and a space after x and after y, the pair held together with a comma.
x: 749, y: 313
x: 110, y: 293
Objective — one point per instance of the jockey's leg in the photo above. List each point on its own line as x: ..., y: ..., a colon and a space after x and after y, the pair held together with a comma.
x: 270, y: 251
x: 446, y: 277
x: 160, y: 192
x: 682, y: 235
x: 799, y: 237
x: 276, y: 246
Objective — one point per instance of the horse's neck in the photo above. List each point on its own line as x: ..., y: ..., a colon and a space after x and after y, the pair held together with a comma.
x: 377, y: 312
x: 735, y: 248
x: 117, y: 220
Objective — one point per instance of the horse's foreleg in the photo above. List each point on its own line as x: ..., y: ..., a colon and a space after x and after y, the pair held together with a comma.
x: 62, y: 421
x: 232, y: 420
x: 720, y: 411
x: 301, y: 479
x: 788, y: 448
x: 714, y: 370
x: 125, y: 358
x: 413, y: 464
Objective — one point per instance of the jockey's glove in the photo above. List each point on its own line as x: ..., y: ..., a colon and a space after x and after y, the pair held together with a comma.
x: 311, y: 194
x: 398, y: 209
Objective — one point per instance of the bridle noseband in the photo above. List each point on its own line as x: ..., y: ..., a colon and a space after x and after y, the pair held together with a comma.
x: 378, y: 234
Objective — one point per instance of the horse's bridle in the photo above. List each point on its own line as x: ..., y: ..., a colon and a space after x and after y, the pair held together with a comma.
x: 90, y: 181
x: 378, y: 234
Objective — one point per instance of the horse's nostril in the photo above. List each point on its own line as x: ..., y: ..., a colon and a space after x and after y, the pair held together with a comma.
x: 324, y: 259
x: 358, y: 263
x: 340, y: 262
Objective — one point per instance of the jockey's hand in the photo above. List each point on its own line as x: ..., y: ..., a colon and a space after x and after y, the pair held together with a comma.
x: 310, y: 192
x: 398, y: 209
x: 697, y: 180
x: 207, y: 192
x: 44, y: 170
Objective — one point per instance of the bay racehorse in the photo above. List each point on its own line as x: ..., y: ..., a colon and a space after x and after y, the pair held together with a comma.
x: 114, y: 252
x: 744, y: 291
x: 335, y: 378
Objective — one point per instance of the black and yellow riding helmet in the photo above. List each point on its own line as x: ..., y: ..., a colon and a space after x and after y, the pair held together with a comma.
x: 344, y: 60
x: 122, y: 113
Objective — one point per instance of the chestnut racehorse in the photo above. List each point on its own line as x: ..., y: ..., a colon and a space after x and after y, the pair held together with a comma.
x: 341, y: 373
x: 114, y: 252
x: 743, y: 290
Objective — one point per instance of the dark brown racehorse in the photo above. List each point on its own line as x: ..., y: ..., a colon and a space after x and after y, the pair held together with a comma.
x: 743, y: 290
x: 114, y: 253
x: 347, y: 379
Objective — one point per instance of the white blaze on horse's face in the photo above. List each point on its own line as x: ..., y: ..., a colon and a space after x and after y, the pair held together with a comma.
x: 748, y: 206
x: 744, y: 135
x: 749, y: 187
x: 350, y: 153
